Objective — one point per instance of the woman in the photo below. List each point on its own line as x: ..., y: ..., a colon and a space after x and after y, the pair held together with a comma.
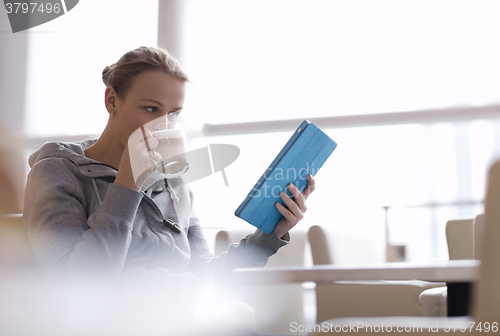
x: 87, y: 215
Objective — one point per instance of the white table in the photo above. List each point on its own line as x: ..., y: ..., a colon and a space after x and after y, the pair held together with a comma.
x: 446, y: 271
x: 458, y: 274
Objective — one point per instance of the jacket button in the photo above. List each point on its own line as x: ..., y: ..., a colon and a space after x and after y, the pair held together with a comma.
x: 172, y: 225
x: 61, y: 147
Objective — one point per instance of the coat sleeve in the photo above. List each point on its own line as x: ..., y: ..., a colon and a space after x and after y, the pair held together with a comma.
x: 253, y: 250
x: 65, y: 242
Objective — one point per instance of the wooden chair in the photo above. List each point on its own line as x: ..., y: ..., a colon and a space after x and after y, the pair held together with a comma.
x: 463, y: 237
x: 368, y: 298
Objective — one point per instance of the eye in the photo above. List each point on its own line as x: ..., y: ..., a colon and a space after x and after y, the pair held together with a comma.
x: 174, y: 113
x: 152, y: 109
x: 172, y: 116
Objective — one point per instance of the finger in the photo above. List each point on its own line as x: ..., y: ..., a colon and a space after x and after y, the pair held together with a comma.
x: 145, y: 137
x: 311, y: 185
x: 146, y: 133
x: 292, y: 206
x: 152, y: 156
x: 286, y: 213
x: 298, y: 197
x: 156, y: 160
x: 150, y: 141
x: 142, y: 147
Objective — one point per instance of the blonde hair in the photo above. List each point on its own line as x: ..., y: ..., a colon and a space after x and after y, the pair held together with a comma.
x: 121, y: 74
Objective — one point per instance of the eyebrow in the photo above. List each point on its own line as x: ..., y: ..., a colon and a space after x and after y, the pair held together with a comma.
x: 175, y: 109
x: 153, y: 101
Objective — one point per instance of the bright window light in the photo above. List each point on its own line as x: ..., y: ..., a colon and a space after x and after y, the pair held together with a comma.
x: 286, y: 59
x: 65, y: 93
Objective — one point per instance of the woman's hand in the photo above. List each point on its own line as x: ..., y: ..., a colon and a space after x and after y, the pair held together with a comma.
x: 139, y: 159
x: 296, y: 207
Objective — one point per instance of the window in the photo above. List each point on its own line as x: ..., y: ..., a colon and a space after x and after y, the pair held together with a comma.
x: 66, y: 57
x: 285, y: 59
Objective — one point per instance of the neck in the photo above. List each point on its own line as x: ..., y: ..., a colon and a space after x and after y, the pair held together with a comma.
x: 106, y: 149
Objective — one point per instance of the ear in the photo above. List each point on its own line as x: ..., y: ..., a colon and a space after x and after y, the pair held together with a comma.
x: 110, y: 99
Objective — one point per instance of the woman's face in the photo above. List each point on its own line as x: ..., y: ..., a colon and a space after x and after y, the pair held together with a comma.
x: 153, y: 94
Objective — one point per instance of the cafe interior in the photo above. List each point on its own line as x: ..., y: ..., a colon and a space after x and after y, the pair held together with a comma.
x: 400, y: 232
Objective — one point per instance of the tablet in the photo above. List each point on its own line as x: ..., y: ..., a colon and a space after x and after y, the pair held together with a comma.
x: 305, y: 153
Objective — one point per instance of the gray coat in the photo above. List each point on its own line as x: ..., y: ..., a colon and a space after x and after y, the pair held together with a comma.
x: 79, y: 222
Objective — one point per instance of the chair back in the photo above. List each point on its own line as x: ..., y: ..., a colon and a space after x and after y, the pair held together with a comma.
x: 487, y: 292
x: 460, y: 238
x: 329, y: 246
x: 478, y: 235
x: 291, y: 255
x: 15, y: 248
x: 320, y: 249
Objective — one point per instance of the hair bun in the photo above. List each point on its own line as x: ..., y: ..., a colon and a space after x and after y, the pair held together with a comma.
x: 106, y: 74
x: 121, y: 75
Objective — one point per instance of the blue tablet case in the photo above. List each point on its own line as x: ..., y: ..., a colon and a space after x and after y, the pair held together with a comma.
x: 305, y: 153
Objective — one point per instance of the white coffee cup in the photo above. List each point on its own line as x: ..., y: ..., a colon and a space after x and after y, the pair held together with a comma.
x: 171, y: 146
